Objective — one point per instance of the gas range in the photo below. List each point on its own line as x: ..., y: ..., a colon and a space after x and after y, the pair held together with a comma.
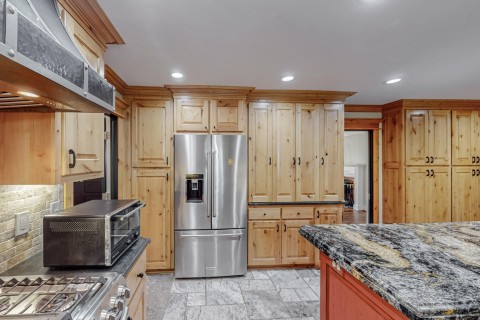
x: 64, y: 297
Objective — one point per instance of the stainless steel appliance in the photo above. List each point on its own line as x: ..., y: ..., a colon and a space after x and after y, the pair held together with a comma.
x: 210, y: 205
x: 94, y: 233
x: 62, y: 297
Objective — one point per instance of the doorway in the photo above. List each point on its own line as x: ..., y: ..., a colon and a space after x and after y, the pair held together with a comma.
x: 358, y: 176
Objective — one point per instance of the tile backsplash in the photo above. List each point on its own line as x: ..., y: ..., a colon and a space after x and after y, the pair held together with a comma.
x: 38, y: 201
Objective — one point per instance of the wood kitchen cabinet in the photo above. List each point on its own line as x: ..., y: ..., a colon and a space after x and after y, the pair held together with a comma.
x: 50, y: 148
x: 191, y: 115
x: 260, y: 152
x: 295, y: 248
x: 228, y: 115
x: 466, y: 193
x: 327, y: 214
x: 465, y: 138
x: 433, y: 203
x: 137, y: 283
x: 428, y: 137
x: 264, y: 243
x: 151, y: 133
x: 152, y: 186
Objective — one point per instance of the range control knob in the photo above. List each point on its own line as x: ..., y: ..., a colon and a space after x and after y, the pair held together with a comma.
x: 108, y: 315
x: 117, y: 303
x: 124, y: 291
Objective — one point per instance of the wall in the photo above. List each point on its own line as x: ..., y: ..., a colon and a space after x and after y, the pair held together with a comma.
x: 356, y: 152
x: 38, y: 200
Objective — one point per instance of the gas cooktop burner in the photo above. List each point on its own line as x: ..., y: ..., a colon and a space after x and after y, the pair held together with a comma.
x: 4, y: 304
x: 60, y: 302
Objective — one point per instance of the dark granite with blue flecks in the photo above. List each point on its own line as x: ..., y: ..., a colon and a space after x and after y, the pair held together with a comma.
x: 427, y: 271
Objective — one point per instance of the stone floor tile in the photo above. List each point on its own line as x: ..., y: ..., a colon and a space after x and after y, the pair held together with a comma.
x: 230, y: 312
x: 260, y: 275
x: 314, y: 284
x: 223, y: 292
x: 196, y: 299
x: 248, y: 285
x: 188, y: 285
x: 265, y: 304
x: 306, y: 273
x: 289, y: 295
x: 287, y: 279
x: 307, y: 294
x: 176, y: 307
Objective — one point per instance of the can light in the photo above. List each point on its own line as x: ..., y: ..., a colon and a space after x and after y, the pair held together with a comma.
x: 288, y: 78
x: 28, y: 94
x: 177, y: 75
x: 392, y: 81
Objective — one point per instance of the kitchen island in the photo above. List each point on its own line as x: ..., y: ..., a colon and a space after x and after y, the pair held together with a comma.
x: 398, y: 271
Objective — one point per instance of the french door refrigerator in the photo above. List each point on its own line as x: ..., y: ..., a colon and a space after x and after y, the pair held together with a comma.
x: 210, y: 211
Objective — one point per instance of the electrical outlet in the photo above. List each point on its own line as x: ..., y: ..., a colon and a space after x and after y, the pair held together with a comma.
x: 22, y: 223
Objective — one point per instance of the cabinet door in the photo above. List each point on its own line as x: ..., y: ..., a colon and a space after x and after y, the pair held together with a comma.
x: 307, y: 151
x: 284, y: 152
x: 416, y: 137
x: 152, y: 186
x: 439, y: 195
x: 295, y: 248
x: 83, y: 144
x: 439, y: 137
x: 191, y: 115
x: 464, y: 194
x: 476, y: 137
x: 260, y: 152
x: 228, y: 115
x: 331, y: 154
x: 151, y: 133
x: 264, y: 244
x: 417, y: 194
x: 463, y: 138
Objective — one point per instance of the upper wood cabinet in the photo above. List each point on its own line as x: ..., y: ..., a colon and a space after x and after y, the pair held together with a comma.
x: 228, y: 115
x: 152, y: 186
x: 151, y: 133
x: 50, y: 148
x: 428, y: 137
x: 331, y: 152
x: 307, y: 151
x: 284, y: 153
x: 465, y: 138
x: 260, y: 152
x: 191, y: 115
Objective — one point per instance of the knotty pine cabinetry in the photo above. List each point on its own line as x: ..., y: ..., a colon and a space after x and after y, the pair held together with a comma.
x: 273, y: 238
x: 51, y: 148
x: 137, y: 283
x: 430, y: 151
x: 151, y: 158
x: 295, y: 152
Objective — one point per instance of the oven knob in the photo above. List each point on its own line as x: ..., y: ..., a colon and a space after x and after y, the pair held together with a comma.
x: 108, y: 315
x: 124, y: 291
x: 117, y: 303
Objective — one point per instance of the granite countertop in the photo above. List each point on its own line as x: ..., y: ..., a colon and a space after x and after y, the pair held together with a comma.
x: 34, y: 265
x: 427, y: 271
x: 300, y: 203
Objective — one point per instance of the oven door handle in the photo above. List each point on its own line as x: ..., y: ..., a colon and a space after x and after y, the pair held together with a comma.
x: 125, y: 314
x: 140, y: 206
x: 211, y: 235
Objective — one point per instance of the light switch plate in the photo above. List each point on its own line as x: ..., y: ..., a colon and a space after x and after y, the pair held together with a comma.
x: 22, y: 223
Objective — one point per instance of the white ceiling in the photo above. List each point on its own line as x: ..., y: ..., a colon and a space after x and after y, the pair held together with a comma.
x: 352, y: 45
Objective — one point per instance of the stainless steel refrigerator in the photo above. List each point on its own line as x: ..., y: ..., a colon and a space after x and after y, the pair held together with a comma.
x: 210, y: 205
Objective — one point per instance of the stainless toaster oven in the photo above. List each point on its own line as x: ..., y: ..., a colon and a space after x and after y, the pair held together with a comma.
x: 94, y: 233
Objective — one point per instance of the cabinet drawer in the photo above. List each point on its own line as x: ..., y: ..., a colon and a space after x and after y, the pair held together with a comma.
x: 137, y: 274
x: 264, y: 213
x: 297, y: 213
x: 135, y: 305
x: 328, y: 209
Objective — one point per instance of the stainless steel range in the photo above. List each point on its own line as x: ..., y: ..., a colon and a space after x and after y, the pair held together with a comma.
x: 100, y: 297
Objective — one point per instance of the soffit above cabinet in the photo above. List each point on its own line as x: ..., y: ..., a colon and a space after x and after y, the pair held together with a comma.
x: 304, y: 96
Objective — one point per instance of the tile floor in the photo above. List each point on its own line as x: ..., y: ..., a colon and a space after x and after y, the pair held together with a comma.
x: 267, y: 294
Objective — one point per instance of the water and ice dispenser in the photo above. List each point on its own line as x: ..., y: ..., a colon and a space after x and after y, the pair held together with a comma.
x: 194, y: 188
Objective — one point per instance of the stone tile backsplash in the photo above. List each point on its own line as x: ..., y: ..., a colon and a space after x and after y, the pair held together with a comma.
x: 38, y: 201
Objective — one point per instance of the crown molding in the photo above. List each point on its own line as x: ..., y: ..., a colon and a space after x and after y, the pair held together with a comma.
x: 231, y: 92
x: 363, y: 108
x: 300, y: 96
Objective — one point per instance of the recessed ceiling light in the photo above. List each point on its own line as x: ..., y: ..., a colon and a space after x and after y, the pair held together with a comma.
x: 288, y: 78
x: 177, y: 75
x: 28, y: 94
x: 392, y: 81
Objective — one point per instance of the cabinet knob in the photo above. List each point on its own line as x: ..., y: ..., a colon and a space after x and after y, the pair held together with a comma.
x: 140, y: 275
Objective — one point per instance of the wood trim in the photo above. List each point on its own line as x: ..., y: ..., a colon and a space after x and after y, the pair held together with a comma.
x: 392, y: 106
x: 90, y: 15
x: 444, y: 104
x: 376, y: 176
x: 120, y: 107
x: 145, y: 93
x: 305, y: 96
x: 363, y: 108
x: 114, y: 79
x: 209, y: 91
x: 362, y: 124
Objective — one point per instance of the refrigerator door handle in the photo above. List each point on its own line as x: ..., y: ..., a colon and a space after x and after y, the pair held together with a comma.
x: 209, y: 205
x: 211, y: 235
x: 214, y: 152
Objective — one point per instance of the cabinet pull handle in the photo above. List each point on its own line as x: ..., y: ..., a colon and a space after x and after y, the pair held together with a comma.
x: 428, y: 160
x: 473, y: 159
x: 299, y: 161
x: 278, y: 228
x: 428, y: 173
x: 270, y: 160
x: 432, y: 173
x: 473, y: 173
x: 167, y: 161
x: 284, y: 228
x: 323, y: 161
x: 72, y: 164
x: 318, y: 214
x: 167, y: 176
x: 140, y: 275
x: 478, y: 159
x: 432, y: 159
x: 294, y: 161
x: 478, y: 172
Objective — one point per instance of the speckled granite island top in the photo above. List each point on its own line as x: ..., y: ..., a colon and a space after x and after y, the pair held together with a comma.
x: 427, y: 271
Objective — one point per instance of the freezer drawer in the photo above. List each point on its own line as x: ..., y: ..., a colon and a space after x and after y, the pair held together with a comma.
x: 210, y: 253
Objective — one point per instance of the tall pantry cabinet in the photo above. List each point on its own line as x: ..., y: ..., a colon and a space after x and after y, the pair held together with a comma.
x: 430, y: 150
